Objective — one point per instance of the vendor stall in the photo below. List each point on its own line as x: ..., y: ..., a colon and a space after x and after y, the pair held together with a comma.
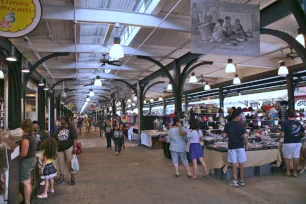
x: 148, y: 137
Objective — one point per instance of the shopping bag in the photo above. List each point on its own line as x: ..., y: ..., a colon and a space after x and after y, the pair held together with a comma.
x: 75, y: 163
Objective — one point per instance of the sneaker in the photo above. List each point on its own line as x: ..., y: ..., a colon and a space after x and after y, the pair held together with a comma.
x: 117, y: 153
x: 59, y: 181
x: 241, y: 182
x: 51, y: 191
x: 234, y: 183
x: 42, y: 183
x: 73, y: 182
x: 42, y: 196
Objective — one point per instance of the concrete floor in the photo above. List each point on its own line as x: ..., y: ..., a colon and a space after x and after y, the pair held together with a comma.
x: 140, y: 175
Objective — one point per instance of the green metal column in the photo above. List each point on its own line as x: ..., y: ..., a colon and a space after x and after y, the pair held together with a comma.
x: 41, y: 107
x: 290, y: 88
x: 51, y: 115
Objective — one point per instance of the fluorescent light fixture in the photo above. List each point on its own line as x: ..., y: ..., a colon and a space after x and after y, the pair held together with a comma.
x: 129, y: 100
x: 151, y: 100
x: 206, y: 87
x: 283, y: 70
x: 84, y: 106
x: 11, y: 57
x: 116, y: 50
x: 160, y: 99
x: 236, y: 80
x: 97, y: 81
x: 41, y: 83
x: 169, y: 86
x: 230, y: 67
x: 135, y: 98
x: 107, y: 71
x: 193, y: 78
x: 91, y: 93
x: 1, y: 74
x: 300, y: 38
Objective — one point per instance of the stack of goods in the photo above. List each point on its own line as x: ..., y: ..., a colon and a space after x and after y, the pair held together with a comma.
x: 223, y: 146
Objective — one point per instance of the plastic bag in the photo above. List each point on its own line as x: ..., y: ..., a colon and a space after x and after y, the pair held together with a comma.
x: 75, y: 163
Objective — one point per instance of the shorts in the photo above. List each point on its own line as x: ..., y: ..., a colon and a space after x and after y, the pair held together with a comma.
x: 26, y: 166
x: 176, y: 155
x: 237, y: 156
x: 292, y: 150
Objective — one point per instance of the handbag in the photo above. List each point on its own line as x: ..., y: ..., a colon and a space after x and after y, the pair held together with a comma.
x: 75, y: 163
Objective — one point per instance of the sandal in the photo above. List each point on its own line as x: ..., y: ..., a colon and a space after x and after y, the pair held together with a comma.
x: 205, y: 177
x: 43, y: 196
x: 189, y: 175
x: 51, y: 191
x: 59, y: 181
x: 177, y: 175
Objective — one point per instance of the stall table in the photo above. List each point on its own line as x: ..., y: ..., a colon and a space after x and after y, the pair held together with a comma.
x: 147, y: 135
x: 217, y: 160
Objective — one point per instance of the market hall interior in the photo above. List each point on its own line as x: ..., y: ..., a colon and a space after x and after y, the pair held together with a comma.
x: 141, y: 100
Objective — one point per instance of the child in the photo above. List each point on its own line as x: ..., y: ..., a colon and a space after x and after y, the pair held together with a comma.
x: 118, y: 138
x: 49, y: 149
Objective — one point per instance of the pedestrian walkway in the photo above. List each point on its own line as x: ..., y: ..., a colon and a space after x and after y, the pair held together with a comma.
x: 140, y: 175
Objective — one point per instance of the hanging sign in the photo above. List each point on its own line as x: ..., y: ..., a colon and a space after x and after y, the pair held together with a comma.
x: 225, y: 28
x: 19, y: 18
x: 300, y: 104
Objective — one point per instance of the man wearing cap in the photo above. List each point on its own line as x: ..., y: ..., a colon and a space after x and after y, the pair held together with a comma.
x: 67, y: 146
x: 237, y: 145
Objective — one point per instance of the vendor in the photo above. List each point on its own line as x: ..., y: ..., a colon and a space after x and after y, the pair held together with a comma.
x: 292, y: 131
x: 27, y: 156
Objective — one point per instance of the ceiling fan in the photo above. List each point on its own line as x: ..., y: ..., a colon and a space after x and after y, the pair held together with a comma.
x: 291, y: 55
x: 107, y: 60
x: 166, y: 92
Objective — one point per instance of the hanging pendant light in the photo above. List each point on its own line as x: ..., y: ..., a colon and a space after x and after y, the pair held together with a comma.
x: 169, y: 86
x: 144, y: 102
x: 135, y: 98
x: 129, y: 100
x: 46, y: 88
x: 91, y: 93
x: 300, y: 38
x: 129, y: 106
x: 1, y: 74
x: 116, y: 51
x: 206, y: 87
x: 160, y: 99
x: 87, y: 99
x: 41, y: 83
x: 236, y: 80
x: 283, y: 70
x: 151, y: 100
x: 11, y: 57
x: 230, y: 67
x: 25, y: 68
x: 97, y: 81
x: 193, y: 78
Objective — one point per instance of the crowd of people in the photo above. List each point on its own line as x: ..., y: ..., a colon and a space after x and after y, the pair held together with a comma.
x: 38, y: 148
x: 291, y: 131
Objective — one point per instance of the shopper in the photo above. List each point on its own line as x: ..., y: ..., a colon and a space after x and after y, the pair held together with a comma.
x: 80, y: 124
x: 27, y: 156
x: 176, y: 138
x: 118, y: 138
x: 49, y: 149
x: 108, y: 134
x: 66, y: 139
x: 195, y: 150
x: 89, y: 124
x: 101, y: 125
x: 237, y: 145
x: 292, y: 131
x: 86, y: 124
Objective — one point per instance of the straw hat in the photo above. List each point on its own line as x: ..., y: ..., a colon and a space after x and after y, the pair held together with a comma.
x: 210, y: 119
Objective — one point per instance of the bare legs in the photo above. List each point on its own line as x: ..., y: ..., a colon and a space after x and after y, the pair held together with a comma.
x: 46, y: 187
x: 235, y: 171
x: 176, y: 169
x: 27, y: 190
x: 295, y: 166
x: 195, y: 167
x: 287, y: 163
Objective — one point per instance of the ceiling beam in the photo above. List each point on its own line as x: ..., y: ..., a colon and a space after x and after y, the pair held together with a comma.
x: 83, y: 76
x: 114, y: 16
x: 65, y: 64
x: 49, y: 46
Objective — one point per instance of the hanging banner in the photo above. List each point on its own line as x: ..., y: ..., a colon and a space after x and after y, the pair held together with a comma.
x: 19, y: 18
x: 225, y: 28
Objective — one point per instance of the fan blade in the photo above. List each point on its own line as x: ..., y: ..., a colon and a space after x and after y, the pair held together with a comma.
x: 88, y: 84
x: 114, y: 61
x: 276, y: 58
x: 118, y: 65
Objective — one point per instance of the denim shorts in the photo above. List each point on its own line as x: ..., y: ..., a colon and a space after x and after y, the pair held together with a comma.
x: 176, y: 155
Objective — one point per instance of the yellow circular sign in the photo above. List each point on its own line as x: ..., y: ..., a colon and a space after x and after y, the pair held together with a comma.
x: 18, y: 18
x: 70, y: 105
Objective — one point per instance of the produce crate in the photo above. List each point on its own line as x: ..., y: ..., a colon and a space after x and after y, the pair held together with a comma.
x: 263, y: 170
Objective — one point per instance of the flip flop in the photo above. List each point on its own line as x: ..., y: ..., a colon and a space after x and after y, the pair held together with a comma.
x: 177, y: 175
